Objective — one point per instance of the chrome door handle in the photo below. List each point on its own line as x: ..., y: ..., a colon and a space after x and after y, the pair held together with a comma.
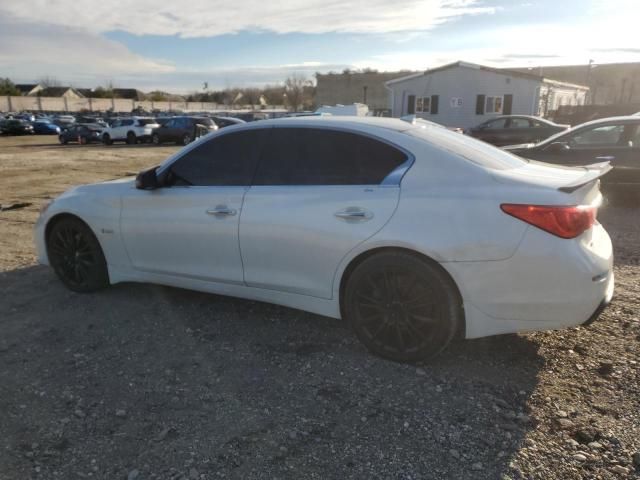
x: 606, y: 158
x: 354, y: 214
x: 222, y: 211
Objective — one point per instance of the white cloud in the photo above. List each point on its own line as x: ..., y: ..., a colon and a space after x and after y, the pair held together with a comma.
x: 207, y: 18
x: 32, y: 51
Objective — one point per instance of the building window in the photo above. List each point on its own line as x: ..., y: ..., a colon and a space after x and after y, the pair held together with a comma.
x: 493, y: 105
x: 423, y: 104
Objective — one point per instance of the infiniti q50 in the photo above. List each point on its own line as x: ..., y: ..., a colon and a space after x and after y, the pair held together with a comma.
x: 411, y: 233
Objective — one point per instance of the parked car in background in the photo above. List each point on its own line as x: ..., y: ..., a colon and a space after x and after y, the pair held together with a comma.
x: 323, y: 229
x: 15, y: 126
x: 222, y: 122
x: 615, y: 140
x: 131, y: 130
x: 63, y: 121
x: 81, y: 133
x: 45, y: 127
x: 510, y: 129
x: 183, y: 130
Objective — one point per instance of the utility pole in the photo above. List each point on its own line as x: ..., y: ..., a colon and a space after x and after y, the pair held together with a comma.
x: 588, y: 81
x: 364, y: 95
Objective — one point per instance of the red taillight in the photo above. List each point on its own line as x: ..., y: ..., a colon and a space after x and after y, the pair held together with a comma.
x: 563, y: 221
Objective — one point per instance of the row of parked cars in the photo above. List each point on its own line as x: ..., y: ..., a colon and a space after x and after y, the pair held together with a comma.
x: 133, y: 129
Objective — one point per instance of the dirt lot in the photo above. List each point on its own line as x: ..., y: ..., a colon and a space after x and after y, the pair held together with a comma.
x: 141, y: 381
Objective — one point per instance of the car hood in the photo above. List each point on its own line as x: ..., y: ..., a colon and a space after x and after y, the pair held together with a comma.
x: 110, y: 187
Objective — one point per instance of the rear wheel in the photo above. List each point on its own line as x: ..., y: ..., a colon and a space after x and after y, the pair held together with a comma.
x: 402, y: 307
x: 62, y: 140
x: 131, y: 138
x: 186, y: 139
x: 82, y: 140
x: 155, y: 139
x: 106, y: 139
x: 76, y: 256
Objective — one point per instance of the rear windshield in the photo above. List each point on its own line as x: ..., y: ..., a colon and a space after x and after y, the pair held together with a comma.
x: 204, y: 121
x: 469, y: 148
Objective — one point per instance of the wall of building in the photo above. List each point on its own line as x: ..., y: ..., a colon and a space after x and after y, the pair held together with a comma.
x: 613, y: 83
x: 465, y: 83
x: 348, y: 88
x: 62, y: 104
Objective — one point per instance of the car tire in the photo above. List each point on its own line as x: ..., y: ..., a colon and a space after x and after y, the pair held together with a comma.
x: 82, y: 140
x: 62, y: 140
x: 106, y: 139
x: 186, y: 139
x: 155, y: 139
x: 131, y: 138
x: 402, y: 306
x: 76, y: 256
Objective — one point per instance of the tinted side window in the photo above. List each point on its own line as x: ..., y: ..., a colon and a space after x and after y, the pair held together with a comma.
x: 225, y: 160
x: 308, y: 156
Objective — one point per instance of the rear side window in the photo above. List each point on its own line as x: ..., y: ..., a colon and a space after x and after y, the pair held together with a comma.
x: 312, y: 156
x: 225, y: 160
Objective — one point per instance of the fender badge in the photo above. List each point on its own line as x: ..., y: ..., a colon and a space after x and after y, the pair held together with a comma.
x: 106, y: 230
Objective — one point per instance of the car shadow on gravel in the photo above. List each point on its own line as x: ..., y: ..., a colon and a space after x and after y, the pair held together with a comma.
x: 166, y: 381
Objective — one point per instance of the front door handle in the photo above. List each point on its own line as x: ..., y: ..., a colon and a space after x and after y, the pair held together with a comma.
x: 222, y: 211
x: 606, y: 158
x: 354, y: 213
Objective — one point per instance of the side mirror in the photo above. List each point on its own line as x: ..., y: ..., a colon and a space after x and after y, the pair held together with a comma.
x: 147, y: 180
x: 558, y: 147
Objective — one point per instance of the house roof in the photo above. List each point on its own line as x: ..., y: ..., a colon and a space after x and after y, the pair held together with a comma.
x: 475, y: 66
x: 56, y: 91
x: 130, y: 93
x: 26, y: 87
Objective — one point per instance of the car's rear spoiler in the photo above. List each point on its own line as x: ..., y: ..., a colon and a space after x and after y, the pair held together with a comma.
x: 592, y: 173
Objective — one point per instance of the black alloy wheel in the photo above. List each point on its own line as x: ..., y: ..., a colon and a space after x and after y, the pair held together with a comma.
x: 186, y: 139
x: 402, y: 307
x: 76, y: 256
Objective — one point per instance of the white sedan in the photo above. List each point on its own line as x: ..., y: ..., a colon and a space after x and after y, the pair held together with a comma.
x: 412, y: 233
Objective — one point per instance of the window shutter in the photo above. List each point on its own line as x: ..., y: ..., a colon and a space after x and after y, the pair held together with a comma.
x: 508, y: 102
x: 411, y: 104
x: 434, y: 104
x: 480, y: 105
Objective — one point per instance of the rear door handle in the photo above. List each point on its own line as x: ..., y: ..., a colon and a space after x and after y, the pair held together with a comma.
x: 222, y: 211
x: 606, y: 158
x: 354, y: 213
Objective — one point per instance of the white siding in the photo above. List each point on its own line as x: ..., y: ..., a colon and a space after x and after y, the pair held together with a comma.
x: 466, y: 83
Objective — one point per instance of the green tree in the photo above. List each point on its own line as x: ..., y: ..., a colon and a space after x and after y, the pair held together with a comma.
x: 8, y: 88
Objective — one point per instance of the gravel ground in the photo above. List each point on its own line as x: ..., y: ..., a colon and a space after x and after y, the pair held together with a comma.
x: 142, y: 381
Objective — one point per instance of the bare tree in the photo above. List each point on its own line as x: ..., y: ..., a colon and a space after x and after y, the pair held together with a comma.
x: 48, y: 81
x: 295, y: 86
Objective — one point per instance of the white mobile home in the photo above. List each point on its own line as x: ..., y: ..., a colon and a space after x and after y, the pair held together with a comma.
x: 464, y: 94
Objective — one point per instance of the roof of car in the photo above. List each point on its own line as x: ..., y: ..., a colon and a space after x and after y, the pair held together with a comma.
x: 340, y: 121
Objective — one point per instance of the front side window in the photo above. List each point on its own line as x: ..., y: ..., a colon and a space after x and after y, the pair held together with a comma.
x: 493, y: 105
x: 497, y: 124
x: 225, y: 160
x: 606, y: 135
x: 313, y: 156
x: 126, y: 123
x: 519, y: 123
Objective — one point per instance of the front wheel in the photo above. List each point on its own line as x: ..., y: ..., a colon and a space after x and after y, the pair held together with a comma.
x: 106, y: 139
x: 131, y: 138
x: 62, y: 140
x: 402, y: 307
x: 76, y: 256
x: 155, y: 139
x: 186, y: 139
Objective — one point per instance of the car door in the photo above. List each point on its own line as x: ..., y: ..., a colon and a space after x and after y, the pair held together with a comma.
x: 518, y: 130
x: 492, y: 131
x: 189, y: 227
x: 604, y: 142
x: 317, y: 194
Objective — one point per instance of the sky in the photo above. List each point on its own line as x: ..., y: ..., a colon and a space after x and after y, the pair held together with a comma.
x: 178, y: 46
